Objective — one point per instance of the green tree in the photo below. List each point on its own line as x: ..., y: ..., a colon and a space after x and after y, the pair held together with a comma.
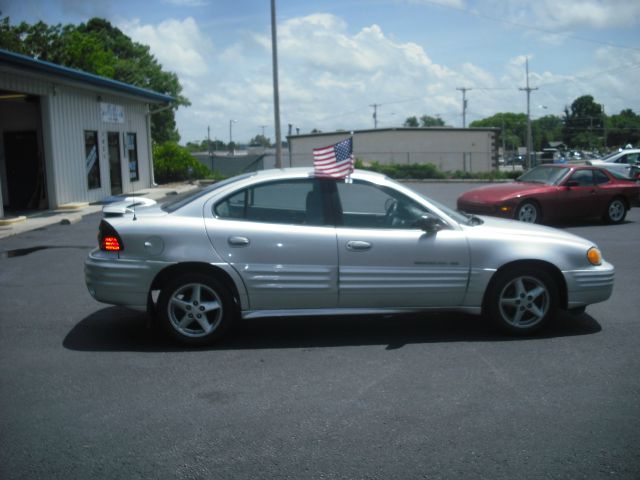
x: 512, y: 125
x: 411, y: 122
x: 623, y: 129
x: 260, y: 140
x: 98, y: 47
x: 173, y: 163
x: 546, y: 129
x: 583, y: 123
x: 428, y: 121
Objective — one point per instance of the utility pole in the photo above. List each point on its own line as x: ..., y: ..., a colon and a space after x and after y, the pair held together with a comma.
x: 209, y: 146
x: 604, y: 127
x: 231, y: 146
x: 464, y: 105
x: 528, y: 89
x: 375, y: 114
x: 276, y: 94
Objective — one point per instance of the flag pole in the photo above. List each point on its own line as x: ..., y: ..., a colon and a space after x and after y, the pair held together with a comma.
x: 276, y: 94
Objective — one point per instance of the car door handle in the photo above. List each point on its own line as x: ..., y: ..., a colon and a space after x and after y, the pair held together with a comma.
x: 358, y: 246
x: 238, y: 241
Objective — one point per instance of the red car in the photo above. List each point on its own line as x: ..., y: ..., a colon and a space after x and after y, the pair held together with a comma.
x: 548, y: 193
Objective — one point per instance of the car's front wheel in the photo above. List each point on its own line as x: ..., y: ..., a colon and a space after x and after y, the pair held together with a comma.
x: 529, y: 212
x: 195, y: 309
x: 616, y: 211
x: 522, y: 300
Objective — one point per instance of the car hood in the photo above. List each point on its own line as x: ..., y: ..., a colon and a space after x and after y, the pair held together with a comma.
x: 502, y: 191
x: 503, y: 228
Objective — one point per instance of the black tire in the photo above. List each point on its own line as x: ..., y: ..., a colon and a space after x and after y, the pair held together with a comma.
x: 529, y: 212
x: 195, y: 309
x: 522, y: 300
x: 616, y: 211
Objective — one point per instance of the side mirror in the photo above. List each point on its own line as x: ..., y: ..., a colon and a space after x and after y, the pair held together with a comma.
x: 429, y: 223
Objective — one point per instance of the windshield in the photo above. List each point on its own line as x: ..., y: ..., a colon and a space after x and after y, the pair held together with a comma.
x: 545, y: 175
x: 609, y: 155
x: 182, y: 200
x: 454, y: 214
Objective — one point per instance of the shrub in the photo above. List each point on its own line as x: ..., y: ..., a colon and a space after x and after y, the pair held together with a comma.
x: 416, y: 171
x: 173, y: 163
x: 404, y: 171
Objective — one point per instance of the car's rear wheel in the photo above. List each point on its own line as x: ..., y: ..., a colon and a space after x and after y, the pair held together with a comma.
x: 522, y: 300
x: 529, y: 212
x: 616, y: 211
x: 195, y: 309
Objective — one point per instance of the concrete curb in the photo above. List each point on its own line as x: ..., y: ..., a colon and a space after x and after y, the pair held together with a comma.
x: 71, y: 213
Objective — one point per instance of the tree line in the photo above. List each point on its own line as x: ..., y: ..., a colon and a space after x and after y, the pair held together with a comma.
x: 583, y: 126
x: 100, y: 48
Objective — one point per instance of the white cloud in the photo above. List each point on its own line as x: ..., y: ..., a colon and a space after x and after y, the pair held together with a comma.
x: 565, y: 14
x: 179, y: 46
x: 330, y: 76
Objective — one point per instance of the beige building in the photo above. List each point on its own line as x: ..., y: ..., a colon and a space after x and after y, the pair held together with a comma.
x: 449, y: 149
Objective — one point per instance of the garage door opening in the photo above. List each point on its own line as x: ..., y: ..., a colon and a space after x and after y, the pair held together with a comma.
x: 24, y: 186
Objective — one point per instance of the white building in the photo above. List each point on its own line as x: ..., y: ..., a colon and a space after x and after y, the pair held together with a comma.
x: 449, y: 149
x: 69, y: 136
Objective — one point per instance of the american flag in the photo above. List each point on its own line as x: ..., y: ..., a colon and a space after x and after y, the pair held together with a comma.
x: 335, y: 161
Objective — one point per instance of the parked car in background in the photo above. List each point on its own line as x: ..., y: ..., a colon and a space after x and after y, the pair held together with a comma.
x: 552, y: 155
x: 515, y: 160
x: 619, y: 162
x: 549, y: 193
x: 289, y: 243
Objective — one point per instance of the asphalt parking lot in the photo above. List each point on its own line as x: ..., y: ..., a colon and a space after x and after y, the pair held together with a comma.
x: 88, y: 391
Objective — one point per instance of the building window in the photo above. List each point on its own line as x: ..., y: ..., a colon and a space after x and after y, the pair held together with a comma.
x: 92, y: 158
x: 132, y: 154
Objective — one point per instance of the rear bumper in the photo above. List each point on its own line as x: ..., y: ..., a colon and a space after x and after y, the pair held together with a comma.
x: 119, y: 282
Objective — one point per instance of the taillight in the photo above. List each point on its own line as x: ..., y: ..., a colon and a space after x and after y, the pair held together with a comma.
x: 108, y: 238
x: 111, y: 244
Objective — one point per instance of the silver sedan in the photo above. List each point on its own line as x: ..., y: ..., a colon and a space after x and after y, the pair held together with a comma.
x: 288, y: 243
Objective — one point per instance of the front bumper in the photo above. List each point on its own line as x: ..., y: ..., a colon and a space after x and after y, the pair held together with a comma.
x: 593, y: 285
x: 485, y: 209
x: 116, y: 281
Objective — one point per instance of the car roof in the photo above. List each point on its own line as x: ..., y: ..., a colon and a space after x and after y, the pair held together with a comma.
x: 289, y: 172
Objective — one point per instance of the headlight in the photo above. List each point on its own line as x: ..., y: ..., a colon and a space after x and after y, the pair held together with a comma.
x: 594, y: 256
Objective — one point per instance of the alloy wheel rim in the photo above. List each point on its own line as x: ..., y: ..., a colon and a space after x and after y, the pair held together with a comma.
x: 524, y: 302
x: 195, y: 310
x: 527, y: 213
x: 616, y: 210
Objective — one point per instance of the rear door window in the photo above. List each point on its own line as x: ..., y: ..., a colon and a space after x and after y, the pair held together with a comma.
x: 293, y: 202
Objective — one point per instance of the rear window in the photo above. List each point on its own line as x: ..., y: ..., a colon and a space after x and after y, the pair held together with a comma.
x: 182, y: 200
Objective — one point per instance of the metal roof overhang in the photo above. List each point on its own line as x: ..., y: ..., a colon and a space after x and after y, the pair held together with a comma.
x: 25, y: 63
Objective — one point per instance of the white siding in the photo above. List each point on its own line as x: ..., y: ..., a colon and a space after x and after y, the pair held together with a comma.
x: 66, y: 112
x: 71, y: 114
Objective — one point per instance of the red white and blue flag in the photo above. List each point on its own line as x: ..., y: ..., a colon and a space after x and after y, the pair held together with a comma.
x: 335, y: 161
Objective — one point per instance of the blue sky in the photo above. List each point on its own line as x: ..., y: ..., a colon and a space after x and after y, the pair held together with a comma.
x: 336, y: 58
